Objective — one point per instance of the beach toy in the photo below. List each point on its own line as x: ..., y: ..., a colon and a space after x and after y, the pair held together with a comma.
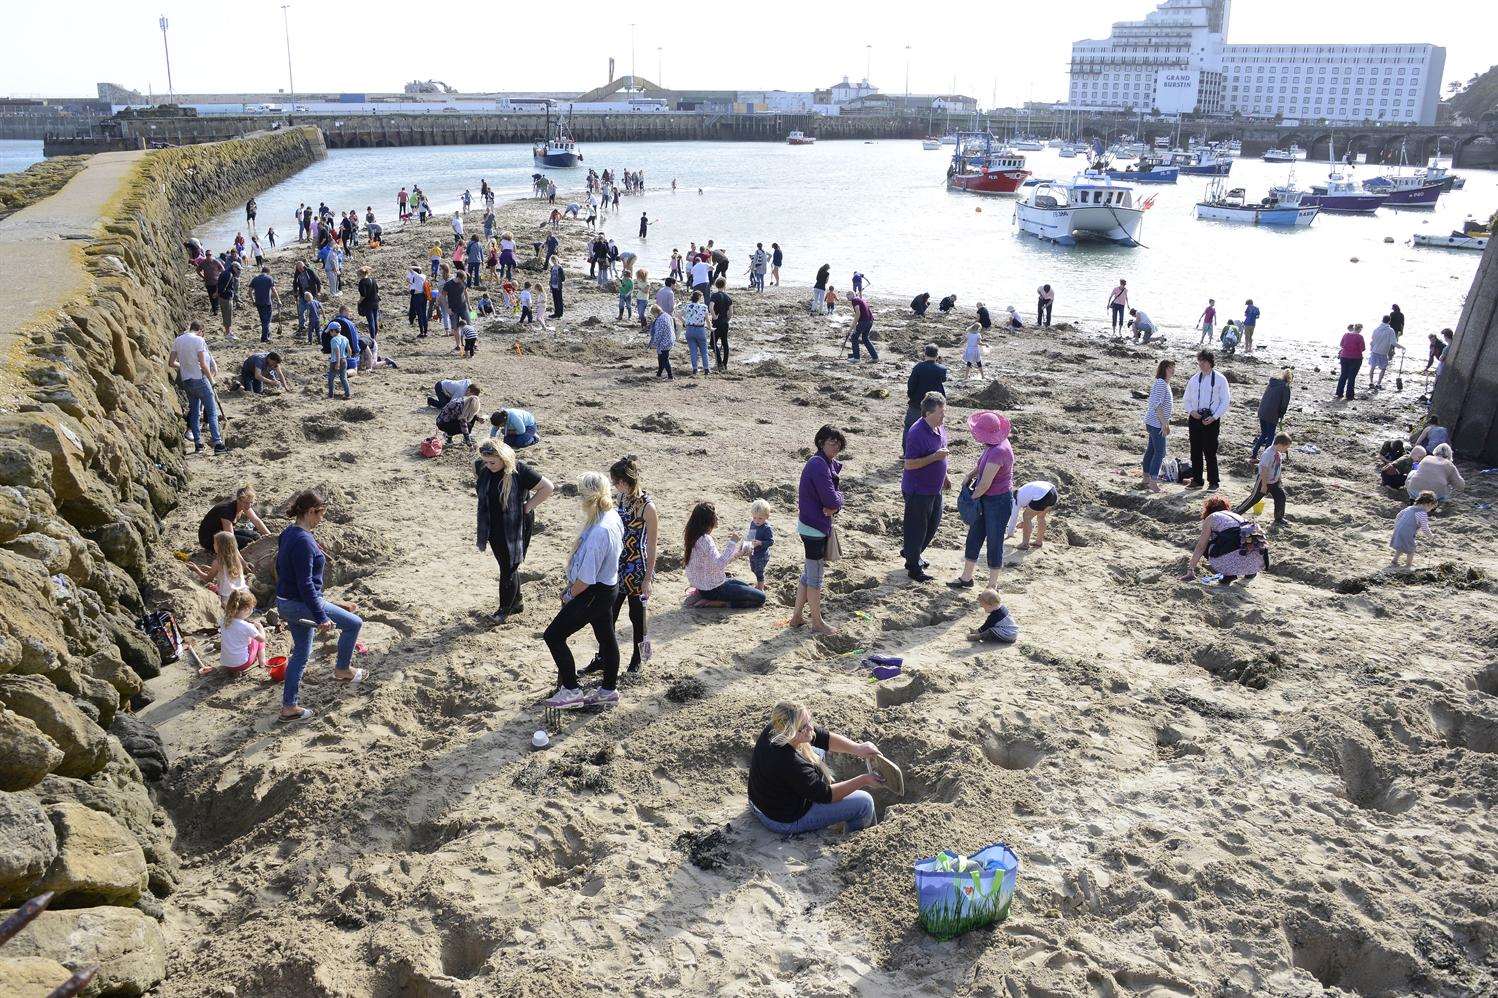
x: 893, y: 777
x: 884, y: 659
x: 882, y: 672
x: 1259, y: 508
x: 957, y: 893
x: 277, y: 668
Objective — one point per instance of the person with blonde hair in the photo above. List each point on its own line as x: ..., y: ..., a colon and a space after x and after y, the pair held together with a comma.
x: 791, y: 790
x: 226, y: 515
x: 637, y: 557
x: 509, y: 491
x: 241, y: 640
x: 1435, y: 472
x: 227, y: 573
x: 588, y: 600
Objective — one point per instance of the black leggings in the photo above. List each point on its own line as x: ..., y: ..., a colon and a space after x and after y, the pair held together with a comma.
x: 636, y: 621
x: 509, y: 575
x: 592, y: 607
x: 720, y: 346
x: 663, y: 363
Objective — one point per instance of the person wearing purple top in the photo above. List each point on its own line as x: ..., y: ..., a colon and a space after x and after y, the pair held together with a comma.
x: 818, y: 500
x: 992, y: 481
x: 300, y: 602
x: 923, y: 480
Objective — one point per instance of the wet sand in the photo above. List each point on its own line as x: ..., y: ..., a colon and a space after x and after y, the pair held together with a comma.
x: 1278, y: 789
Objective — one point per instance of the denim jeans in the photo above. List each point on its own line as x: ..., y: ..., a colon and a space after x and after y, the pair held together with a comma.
x: 697, y: 345
x: 339, y: 373
x: 1347, y: 381
x: 292, y: 611
x: 302, y: 309
x: 738, y: 595
x: 264, y: 311
x: 922, y: 518
x: 1154, y: 452
x: 993, y: 521
x: 200, y: 395
x: 861, y: 335
x: 373, y: 321
x: 332, y: 273
x: 1267, y: 428
x: 857, y: 809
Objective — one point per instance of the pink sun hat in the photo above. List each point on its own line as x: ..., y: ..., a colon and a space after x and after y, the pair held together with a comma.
x: 988, y: 427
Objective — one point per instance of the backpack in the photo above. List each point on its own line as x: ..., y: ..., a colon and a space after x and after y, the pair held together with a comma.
x: 1227, y: 540
x: 161, y: 627
x: 430, y: 447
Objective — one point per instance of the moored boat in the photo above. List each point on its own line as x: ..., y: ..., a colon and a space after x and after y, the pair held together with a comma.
x: 1029, y: 145
x: 1439, y: 173
x: 978, y: 168
x: 1473, y: 235
x: 1284, y: 206
x: 1278, y: 156
x: 1201, y: 163
x: 1411, y: 191
x: 1147, y: 171
x: 929, y: 144
x: 800, y: 138
x: 558, y: 150
x: 1089, y: 206
x: 1341, y: 195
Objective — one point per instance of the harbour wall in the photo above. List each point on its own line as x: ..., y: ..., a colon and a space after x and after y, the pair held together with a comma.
x: 1466, y: 394
x: 91, y: 458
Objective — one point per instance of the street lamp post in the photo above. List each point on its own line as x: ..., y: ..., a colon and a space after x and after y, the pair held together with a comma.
x: 631, y: 57
x: 659, y: 73
x: 290, y: 80
x: 907, y: 75
x: 171, y: 90
x: 868, y: 60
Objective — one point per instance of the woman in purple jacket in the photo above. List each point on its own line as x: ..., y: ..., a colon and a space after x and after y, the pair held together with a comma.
x: 817, y: 501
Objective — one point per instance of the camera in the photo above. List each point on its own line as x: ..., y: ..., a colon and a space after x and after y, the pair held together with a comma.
x: 1204, y: 414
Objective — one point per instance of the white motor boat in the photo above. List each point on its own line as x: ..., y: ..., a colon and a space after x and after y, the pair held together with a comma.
x: 1279, y: 156
x: 1453, y: 241
x: 1028, y: 145
x: 1090, y: 206
x: 930, y: 144
x: 1283, y: 207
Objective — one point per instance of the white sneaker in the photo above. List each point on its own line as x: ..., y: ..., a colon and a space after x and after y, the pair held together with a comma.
x: 600, y: 697
x: 566, y: 698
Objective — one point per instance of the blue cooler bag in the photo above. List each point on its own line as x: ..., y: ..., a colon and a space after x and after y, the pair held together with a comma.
x: 959, y: 893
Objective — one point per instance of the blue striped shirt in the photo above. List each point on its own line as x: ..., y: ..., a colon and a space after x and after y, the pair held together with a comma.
x: 1160, y: 400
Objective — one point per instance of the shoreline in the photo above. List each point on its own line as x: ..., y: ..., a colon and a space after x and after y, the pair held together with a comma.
x: 1228, y: 763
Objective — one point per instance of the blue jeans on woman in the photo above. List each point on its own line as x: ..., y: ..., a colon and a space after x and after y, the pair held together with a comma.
x: 1154, y: 452
x: 697, y: 345
x: 1267, y: 428
x: 738, y: 595
x: 993, y: 523
x: 857, y: 809
x: 293, y: 611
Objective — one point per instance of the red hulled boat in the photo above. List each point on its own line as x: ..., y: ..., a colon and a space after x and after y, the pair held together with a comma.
x: 978, y: 168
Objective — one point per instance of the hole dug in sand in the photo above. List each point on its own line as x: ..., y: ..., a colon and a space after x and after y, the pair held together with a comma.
x: 1465, y: 729
x: 1013, y: 746
x: 1369, y: 785
x: 1485, y: 680
x: 1346, y: 957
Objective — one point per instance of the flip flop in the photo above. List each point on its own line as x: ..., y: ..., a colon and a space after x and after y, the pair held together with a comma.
x: 303, y: 714
x: 354, y: 680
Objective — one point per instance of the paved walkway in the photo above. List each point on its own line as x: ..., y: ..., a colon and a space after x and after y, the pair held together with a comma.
x: 39, y: 266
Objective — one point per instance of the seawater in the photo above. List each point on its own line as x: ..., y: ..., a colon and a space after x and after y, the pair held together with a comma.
x: 882, y: 208
x: 17, y: 154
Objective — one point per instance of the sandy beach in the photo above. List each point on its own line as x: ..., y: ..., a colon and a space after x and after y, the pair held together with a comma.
x: 1279, y: 789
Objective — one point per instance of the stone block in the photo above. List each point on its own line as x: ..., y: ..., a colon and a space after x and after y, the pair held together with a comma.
x: 31, y: 976
x: 26, y: 755
x: 84, y: 745
x: 28, y: 846
x: 126, y: 945
x: 98, y: 861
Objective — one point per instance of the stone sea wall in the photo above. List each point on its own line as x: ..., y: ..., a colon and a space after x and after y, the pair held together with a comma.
x: 91, y: 458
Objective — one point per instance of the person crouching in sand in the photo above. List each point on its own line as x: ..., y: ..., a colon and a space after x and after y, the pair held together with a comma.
x: 999, y: 626
x: 791, y: 790
x: 241, y: 640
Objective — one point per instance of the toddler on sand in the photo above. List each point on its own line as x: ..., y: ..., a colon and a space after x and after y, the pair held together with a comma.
x: 761, y: 536
x: 999, y: 625
x: 1411, y: 522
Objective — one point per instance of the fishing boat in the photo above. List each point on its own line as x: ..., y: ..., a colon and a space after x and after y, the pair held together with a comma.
x: 979, y: 168
x: 1437, y: 172
x: 1069, y: 151
x: 1201, y: 163
x: 1284, y: 206
x: 930, y: 144
x: 1406, y: 190
x: 1278, y: 156
x: 1473, y: 235
x: 558, y: 150
x: 1091, y: 206
x: 800, y: 138
x: 1147, y: 170
x: 1341, y: 195
x: 1029, y: 145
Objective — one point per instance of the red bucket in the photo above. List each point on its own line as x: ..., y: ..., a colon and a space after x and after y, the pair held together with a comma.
x: 277, y: 667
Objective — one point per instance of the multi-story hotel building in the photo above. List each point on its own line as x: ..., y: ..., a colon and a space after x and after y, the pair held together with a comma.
x: 1177, y: 60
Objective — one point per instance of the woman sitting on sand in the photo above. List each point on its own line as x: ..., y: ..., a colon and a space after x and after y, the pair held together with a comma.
x: 1435, y: 473
x: 705, y: 563
x: 992, y: 483
x: 509, y: 492
x: 299, y: 601
x: 818, y: 500
x: 588, y: 600
x: 791, y: 790
x: 1233, y: 546
x: 225, y: 515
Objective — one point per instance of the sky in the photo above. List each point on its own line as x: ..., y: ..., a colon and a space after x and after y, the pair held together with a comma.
x: 993, y: 52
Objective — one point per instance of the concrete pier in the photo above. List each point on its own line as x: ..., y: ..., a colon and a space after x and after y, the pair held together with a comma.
x: 1466, y: 395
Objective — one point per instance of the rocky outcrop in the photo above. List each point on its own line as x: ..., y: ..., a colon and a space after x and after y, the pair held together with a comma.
x: 90, y: 460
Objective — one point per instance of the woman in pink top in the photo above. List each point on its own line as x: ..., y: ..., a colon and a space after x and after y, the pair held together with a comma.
x: 705, y: 563
x: 992, y: 484
x: 1350, y: 356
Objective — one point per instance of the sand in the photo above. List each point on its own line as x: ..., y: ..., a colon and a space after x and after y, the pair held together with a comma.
x: 1284, y: 789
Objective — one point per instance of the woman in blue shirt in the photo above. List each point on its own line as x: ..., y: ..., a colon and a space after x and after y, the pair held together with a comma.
x: 299, y: 600
x: 592, y: 578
